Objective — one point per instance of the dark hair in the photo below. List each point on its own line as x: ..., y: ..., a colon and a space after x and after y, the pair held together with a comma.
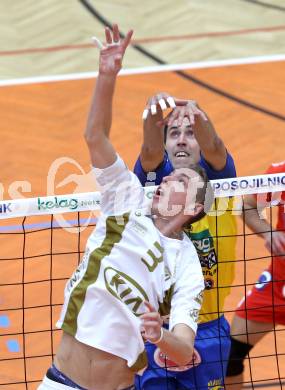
x: 165, y: 132
x: 204, y: 196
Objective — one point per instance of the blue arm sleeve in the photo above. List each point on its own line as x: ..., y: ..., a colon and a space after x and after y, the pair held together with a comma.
x: 155, y: 177
x: 228, y: 171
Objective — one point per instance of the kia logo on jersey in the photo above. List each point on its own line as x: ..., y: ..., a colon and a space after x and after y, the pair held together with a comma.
x: 126, y: 289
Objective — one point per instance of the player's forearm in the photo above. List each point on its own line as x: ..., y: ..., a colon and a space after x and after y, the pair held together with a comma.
x: 100, y: 114
x: 152, y: 150
x: 153, y: 137
x: 178, y: 349
x: 255, y: 222
x: 212, y: 147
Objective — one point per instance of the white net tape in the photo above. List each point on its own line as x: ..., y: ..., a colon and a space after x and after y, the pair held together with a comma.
x: 88, y: 201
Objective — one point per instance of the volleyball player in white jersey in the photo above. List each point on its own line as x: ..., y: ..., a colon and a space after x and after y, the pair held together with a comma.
x: 134, y: 264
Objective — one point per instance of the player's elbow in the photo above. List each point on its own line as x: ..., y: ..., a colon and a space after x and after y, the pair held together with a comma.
x: 89, y: 137
x: 92, y: 138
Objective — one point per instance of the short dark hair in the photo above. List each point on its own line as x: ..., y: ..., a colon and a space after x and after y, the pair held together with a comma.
x: 204, y: 196
x: 165, y: 132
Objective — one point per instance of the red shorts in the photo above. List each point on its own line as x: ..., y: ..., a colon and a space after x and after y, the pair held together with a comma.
x: 266, y: 301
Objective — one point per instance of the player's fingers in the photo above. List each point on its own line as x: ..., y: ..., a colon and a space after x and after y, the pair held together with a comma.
x: 191, y: 117
x: 192, y: 102
x: 149, y: 306
x: 172, y: 117
x: 116, y: 33
x: 278, y: 251
x: 202, y: 115
x: 98, y: 43
x: 281, y: 237
x: 181, y: 102
x: 127, y: 39
x: 153, y: 103
x: 164, y: 95
x: 156, y: 103
x: 162, y: 104
x: 145, y: 114
x: 153, y: 109
x: 162, y: 100
x: 171, y: 102
x: 166, y: 119
x: 148, y: 322
x: 154, y: 100
x: 278, y: 246
x: 150, y: 316
x: 180, y: 117
x: 108, y: 36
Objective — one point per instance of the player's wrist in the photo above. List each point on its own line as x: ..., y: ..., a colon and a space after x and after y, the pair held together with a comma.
x: 158, y: 340
x: 108, y: 75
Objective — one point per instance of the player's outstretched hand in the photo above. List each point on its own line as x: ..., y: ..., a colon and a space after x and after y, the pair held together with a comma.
x: 151, y: 324
x: 189, y: 110
x: 112, y: 51
x: 158, y: 103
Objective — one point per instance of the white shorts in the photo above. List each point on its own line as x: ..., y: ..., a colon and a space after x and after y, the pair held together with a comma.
x: 47, y: 384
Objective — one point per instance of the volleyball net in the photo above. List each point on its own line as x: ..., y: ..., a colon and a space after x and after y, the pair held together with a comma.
x: 42, y: 241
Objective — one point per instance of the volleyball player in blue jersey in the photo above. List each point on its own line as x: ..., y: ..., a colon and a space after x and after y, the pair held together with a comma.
x: 185, y: 137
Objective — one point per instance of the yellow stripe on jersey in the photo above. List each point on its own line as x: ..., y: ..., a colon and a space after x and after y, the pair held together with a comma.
x: 214, y: 237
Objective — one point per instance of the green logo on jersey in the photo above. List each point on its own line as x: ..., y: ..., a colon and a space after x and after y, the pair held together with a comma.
x: 203, y: 241
x: 204, y: 244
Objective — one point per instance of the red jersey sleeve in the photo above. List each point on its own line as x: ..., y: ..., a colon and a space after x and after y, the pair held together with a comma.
x: 273, y: 168
x: 276, y: 168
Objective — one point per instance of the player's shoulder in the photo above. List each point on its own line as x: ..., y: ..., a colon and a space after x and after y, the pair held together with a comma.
x: 190, y: 255
x: 276, y: 167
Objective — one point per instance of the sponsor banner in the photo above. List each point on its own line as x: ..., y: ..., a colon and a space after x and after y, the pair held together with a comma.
x: 49, y: 205
x: 249, y: 185
x: 89, y: 201
x: 58, y: 204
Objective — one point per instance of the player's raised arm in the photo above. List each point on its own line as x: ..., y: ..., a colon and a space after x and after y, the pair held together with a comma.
x: 274, y: 240
x: 99, y: 121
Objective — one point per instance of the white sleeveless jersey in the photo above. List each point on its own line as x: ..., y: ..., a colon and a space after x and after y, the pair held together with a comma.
x: 128, y: 261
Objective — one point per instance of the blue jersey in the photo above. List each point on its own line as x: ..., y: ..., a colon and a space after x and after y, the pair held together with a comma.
x: 165, y: 168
